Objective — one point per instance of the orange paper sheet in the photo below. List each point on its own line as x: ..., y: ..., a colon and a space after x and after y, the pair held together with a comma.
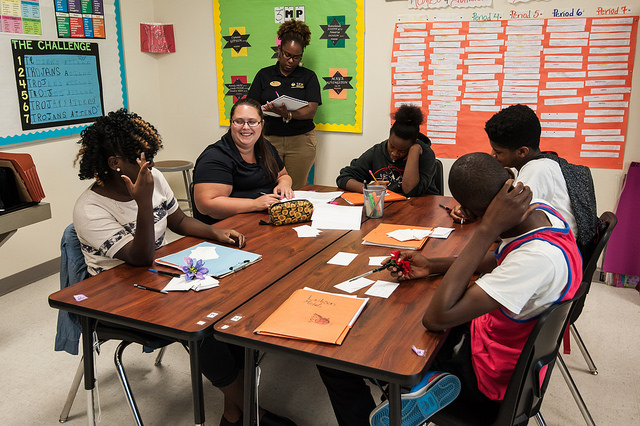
x: 357, y: 199
x: 379, y: 237
x: 313, y: 315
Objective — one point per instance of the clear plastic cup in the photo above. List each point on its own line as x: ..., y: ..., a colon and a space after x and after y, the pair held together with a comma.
x: 374, y: 200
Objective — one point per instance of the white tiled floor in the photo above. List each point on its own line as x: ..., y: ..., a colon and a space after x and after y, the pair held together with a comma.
x: 36, y: 379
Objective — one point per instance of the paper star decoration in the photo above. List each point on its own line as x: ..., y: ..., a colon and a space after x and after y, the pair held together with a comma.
x: 337, y: 82
x: 236, y: 41
x: 334, y: 32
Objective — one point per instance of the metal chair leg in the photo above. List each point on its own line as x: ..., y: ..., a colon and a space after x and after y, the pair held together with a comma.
x: 574, y: 391
x: 585, y: 353
x: 91, y: 415
x: 75, y: 385
x: 159, y: 357
x: 117, y: 359
x: 540, y: 420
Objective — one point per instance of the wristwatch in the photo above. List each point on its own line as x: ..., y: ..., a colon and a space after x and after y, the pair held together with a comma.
x: 288, y: 118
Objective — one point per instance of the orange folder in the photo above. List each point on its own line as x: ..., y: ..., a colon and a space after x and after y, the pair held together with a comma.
x: 379, y: 237
x: 356, y: 198
x: 314, y: 315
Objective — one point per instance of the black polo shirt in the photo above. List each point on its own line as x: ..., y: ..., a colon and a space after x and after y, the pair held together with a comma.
x: 221, y: 162
x: 302, y: 83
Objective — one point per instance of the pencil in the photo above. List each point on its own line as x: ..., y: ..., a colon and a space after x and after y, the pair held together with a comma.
x: 150, y: 288
x: 373, y: 176
x: 171, y: 274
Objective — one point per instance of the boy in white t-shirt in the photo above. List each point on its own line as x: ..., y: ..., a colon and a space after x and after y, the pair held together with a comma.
x: 514, y: 135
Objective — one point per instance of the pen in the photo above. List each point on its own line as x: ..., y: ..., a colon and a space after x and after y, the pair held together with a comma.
x: 171, y: 274
x: 448, y: 209
x: 373, y: 176
x: 277, y: 94
x: 378, y: 269
x: 149, y: 288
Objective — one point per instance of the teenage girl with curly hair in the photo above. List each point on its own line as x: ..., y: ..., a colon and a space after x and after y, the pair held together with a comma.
x: 291, y: 132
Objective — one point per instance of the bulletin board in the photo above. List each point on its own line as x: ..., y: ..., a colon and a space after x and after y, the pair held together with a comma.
x: 575, y: 72
x: 247, y: 42
x: 61, y: 80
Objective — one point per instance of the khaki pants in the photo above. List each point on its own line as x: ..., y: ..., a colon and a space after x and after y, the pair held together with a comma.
x: 298, y: 153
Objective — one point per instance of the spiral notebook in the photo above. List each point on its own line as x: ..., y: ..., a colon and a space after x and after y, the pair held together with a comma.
x: 219, y: 260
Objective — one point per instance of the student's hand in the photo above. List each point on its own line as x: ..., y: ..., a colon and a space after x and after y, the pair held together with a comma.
x: 415, y: 149
x: 420, y: 266
x: 263, y: 202
x: 384, y: 183
x: 142, y: 190
x: 460, y: 215
x: 510, y: 206
x: 283, y: 190
x: 229, y: 236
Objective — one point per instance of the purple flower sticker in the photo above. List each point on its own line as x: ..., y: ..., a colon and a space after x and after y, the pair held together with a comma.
x: 192, y: 270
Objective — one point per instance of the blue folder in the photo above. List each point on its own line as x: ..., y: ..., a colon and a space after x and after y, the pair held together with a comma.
x: 229, y: 259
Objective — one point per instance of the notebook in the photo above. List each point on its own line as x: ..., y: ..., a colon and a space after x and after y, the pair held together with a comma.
x: 356, y: 198
x: 219, y: 260
x: 310, y: 314
x: 292, y: 104
x: 379, y: 237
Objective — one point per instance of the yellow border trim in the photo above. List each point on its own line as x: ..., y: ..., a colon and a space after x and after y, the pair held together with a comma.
x: 217, y: 31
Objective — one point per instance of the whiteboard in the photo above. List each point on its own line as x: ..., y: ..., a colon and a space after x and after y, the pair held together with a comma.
x: 110, y: 68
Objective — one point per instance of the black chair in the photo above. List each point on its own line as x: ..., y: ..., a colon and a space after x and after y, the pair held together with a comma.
x: 525, y: 391
x: 73, y: 259
x: 439, y: 177
x: 590, y: 255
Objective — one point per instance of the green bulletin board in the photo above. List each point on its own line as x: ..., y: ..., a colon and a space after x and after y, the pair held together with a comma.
x: 246, y: 42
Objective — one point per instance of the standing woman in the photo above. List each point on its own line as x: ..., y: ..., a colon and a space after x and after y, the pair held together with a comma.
x: 292, y: 132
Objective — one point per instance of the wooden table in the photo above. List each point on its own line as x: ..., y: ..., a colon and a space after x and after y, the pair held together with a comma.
x: 379, y: 344
x: 186, y: 316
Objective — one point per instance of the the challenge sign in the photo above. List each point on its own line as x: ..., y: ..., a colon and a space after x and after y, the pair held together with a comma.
x: 58, y: 82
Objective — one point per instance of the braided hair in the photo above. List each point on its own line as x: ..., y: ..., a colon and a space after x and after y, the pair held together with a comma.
x: 408, y: 120
x: 293, y: 30
x: 118, y: 133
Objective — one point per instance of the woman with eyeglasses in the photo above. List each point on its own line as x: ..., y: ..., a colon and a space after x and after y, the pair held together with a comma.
x: 291, y: 132
x: 242, y: 172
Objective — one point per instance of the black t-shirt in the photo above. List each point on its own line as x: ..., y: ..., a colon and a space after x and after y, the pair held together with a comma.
x: 221, y: 162
x: 269, y: 83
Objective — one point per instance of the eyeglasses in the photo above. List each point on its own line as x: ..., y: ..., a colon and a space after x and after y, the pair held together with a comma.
x: 288, y: 56
x: 241, y: 123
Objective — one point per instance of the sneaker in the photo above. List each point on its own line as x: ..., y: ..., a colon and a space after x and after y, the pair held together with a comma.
x: 435, y: 391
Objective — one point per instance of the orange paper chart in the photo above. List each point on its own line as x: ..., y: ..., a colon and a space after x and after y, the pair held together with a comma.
x: 574, y: 72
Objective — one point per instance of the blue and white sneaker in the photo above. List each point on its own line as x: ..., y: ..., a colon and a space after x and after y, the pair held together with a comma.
x: 435, y: 391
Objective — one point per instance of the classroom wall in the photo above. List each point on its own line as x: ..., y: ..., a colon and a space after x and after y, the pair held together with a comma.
x: 177, y: 93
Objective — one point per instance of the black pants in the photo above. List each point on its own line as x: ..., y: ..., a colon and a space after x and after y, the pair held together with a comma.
x: 220, y: 362
x: 351, y: 398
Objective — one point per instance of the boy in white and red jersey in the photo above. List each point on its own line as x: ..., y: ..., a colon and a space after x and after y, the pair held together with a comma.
x: 536, y: 264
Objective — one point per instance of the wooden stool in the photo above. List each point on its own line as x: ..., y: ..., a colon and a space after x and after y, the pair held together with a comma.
x: 178, y: 166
